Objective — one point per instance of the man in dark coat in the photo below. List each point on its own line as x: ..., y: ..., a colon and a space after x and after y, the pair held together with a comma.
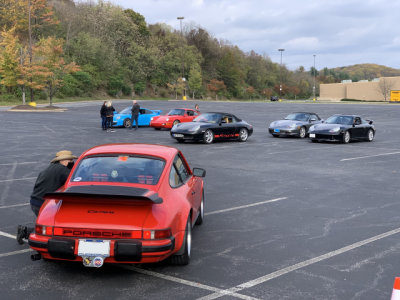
x: 135, y: 114
x: 49, y: 180
x: 103, y: 116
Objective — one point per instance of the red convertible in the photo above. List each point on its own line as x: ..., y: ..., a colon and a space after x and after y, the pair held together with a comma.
x: 122, y: 203
x: 175, y: 116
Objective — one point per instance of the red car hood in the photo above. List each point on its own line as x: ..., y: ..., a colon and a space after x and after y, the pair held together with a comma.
x: 103, y: 207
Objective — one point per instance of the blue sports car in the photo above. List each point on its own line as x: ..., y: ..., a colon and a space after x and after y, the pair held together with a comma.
x: 123, y: 118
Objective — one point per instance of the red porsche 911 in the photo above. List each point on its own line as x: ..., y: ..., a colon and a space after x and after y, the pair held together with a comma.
x: 175, y: 116
x: 122, y: 203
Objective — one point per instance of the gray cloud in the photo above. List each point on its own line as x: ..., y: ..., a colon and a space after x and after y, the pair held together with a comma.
x: 340, y: 32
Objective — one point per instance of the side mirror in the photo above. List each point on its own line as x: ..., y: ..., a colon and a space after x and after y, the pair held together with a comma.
x: 222, y: 122
x: 313, y: 120
x: 199, y: 172
x: 370, y: 122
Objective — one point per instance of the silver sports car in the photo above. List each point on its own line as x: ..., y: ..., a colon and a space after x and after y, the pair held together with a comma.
x: 295, y: 124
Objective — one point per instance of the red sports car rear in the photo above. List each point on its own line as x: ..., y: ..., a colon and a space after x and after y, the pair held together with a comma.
x: 123, y: 203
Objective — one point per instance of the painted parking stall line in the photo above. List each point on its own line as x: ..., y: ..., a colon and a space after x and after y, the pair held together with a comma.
x: 189, y: 283
x: 17, y: 179
x: 300, y: 265
x: 5, y: 234
x: 20, y: 163
x: 244, y: 206
x: 14, y: 205
x: 369, y: 156
x: 15, y: 252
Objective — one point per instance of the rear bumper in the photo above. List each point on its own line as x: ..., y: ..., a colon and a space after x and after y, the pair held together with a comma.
x: 121, y: 251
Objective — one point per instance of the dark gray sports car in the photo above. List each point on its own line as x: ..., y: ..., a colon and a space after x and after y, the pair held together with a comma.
x: 212, y: 126
x: 343, y: 128
x: 295, y: 124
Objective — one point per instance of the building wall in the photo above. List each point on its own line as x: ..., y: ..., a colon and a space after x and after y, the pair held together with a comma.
x: 366, y: 91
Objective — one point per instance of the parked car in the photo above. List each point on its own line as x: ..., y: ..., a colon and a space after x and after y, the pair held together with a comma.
x: 123, y: 118
x: 343, y: 128
x: 274, y: 98
x: 212, y: 126
x: 294, y: 124
x: 122, y: 203
x: 173, y: 117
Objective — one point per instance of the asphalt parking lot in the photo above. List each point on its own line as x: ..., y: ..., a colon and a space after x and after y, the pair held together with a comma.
x: 285, y: 218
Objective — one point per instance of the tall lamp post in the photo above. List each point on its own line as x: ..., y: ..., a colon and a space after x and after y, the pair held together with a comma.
x: 182, y: 59
x: 314, y: 79
x: 280, y: 75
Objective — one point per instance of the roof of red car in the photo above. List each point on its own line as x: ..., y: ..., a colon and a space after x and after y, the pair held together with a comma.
x: 165, y: 152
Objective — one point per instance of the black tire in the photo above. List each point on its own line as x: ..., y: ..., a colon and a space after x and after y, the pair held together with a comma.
x: 370, y: 135
x: 346, y: 137
x: 127, y: 123
x: 243, y: 134
x: 175, y: 123
x: 208, y: 136
x: 302, y: 132
x: 184, y: 258
x: 155, y: 128
x: 200, y: 218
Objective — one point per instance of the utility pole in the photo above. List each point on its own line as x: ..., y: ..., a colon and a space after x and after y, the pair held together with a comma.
x: 23, y: 86
x: 314, y: 79
x: 30, y: 44
x: 280, y: 75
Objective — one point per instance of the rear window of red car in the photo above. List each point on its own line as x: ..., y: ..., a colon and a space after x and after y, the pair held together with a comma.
x: 119, y: 168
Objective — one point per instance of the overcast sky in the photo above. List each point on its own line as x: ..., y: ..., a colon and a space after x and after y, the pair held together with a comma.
x: 338, y: 32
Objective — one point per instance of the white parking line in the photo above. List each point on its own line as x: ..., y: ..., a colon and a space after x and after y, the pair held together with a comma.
x: 20, y: 163
x: 189, y: 283
x: 2, y: 233
x: 14, y: 205
x: 17, y: 179
x: 368, y: 156
x: 300, y: 265
x: 244, y: 206
x: 15, y: 252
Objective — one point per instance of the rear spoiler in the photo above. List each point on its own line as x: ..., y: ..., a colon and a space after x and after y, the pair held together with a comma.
x: 105, y: 191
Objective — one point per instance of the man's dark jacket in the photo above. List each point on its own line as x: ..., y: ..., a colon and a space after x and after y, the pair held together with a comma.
x: 48, y: 181
x: 135, y: 109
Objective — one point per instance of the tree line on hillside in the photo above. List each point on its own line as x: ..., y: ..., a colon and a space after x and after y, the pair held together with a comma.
x: 66, y: 49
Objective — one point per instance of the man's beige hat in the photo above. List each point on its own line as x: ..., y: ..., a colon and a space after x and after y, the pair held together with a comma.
x: 63, y: 155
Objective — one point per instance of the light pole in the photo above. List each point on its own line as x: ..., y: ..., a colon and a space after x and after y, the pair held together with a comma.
x: 182, y: 59
x: 280, y: 75
x: 314, y: 79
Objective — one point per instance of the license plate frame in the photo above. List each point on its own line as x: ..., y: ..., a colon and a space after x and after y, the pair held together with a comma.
x: 312, y: 135
x: 178, y: 135
x: 93, y: 247
x: 277, y: 130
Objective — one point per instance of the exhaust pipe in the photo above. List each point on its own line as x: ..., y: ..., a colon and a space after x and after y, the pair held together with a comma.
x: 36, y: 256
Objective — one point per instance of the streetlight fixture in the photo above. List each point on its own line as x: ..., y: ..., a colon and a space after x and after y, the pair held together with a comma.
x: 280, y: 75
x: 182, y: 59
x: 314, y: 79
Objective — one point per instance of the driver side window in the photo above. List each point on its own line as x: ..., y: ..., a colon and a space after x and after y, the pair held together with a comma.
x: 179, y: 173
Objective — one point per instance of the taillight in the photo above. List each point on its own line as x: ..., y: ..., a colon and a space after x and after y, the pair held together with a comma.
x: 157, y: 234
x: 44, y: 230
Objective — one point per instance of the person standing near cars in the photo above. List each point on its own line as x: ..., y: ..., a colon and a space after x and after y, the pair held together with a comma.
x: 103, y: 116
x: 109, y: 115
x: 48, y: 181
x: 135, y: 114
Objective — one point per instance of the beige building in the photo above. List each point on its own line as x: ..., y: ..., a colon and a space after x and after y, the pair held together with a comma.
x: 375, y: 90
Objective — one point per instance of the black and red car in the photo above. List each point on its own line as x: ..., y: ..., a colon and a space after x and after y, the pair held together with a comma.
x: 212, y: 126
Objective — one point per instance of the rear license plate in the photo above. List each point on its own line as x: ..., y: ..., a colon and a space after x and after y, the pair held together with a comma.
x: 178, y: 135
x: 277, y: 130
x: 94, y: 248
x: 312, y: 135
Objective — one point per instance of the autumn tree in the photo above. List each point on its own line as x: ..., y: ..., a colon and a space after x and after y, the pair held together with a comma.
x: 49, y: 68
x: 216, y: 87
x: 384, y: 87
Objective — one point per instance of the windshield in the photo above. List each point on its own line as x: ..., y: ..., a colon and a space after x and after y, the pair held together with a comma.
x: 126, y: 111
x: 343, y: 120
x: 208, y: 118
x: 298, y: 117
x: 119, y: 168
x: 176, y: 112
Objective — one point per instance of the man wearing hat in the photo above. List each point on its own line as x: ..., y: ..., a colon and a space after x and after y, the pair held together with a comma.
x: 48, y: 181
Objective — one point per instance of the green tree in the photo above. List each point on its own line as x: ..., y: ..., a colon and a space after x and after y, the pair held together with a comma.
x: 195, y: 81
